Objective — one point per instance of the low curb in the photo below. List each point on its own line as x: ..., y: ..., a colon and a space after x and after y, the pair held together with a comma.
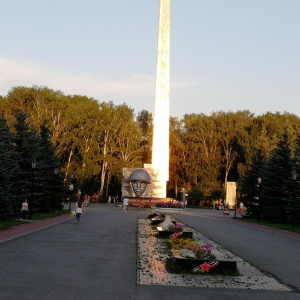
x: 33, y: 226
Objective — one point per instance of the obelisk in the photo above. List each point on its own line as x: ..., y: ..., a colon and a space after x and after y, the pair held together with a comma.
x: 160, y: 147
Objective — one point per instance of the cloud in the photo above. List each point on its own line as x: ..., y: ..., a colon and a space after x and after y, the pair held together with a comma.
x: 136, y: 90
x: 27, y: 73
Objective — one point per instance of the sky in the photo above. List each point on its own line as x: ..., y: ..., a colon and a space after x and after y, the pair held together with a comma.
x: 226, y: 55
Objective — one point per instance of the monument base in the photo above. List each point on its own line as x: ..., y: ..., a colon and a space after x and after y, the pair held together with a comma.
x: 148, y: 202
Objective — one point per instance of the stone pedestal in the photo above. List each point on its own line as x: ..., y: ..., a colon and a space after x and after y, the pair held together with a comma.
x: 167, y: 212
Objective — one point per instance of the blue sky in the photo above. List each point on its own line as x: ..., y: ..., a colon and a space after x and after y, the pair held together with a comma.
x: 226, y: 55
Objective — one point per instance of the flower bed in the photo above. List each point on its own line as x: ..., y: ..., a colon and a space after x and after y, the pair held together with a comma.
x: 175, y: 227
x: 169, y: 204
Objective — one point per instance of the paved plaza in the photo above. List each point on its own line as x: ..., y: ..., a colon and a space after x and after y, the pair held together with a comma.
x: 100, y: 259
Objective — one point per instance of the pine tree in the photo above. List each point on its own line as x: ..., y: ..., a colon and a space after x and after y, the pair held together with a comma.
x: 296, y: 188
x: 25, y: 141
x: 250, y: 179
x: 47, y: 182
x: 8, y: 170
x: 275, y: 175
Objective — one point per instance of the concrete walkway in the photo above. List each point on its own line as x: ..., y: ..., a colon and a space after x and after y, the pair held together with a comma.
x: 96, y: 259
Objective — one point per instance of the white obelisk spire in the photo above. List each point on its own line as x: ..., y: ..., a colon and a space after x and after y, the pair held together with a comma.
x: 160, y: 147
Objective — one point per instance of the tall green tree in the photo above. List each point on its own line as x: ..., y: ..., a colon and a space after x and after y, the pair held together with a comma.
x: 249, y: 182
x: 25, y: 141
x: 275, y: 173
x: 46, y: 181
x: 124, y: 144
x: 177, y: 162
x: 231, y: 130
x: 203, y: 152
x: 9, y: 204
x: 296, y: 186
x: 145, y: 120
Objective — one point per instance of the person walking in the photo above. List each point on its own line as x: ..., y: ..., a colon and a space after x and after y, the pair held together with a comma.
x: 125, y: 204
x: 85, y: 199
x: 214, y: 205
x: 24, y: 209
x: 109, y: 200
x: 241, y: 208
x: 78, y: 210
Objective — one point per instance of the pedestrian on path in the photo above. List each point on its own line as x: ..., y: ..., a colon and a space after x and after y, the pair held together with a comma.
x: 85, y: 200
x: 24, y: 209
x: 109, y: 200
x: 125, y: 204
x: 241, y: 208
x: 78, y: 210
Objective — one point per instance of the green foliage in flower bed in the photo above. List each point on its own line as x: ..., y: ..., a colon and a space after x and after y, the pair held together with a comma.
x: 175, y: 227
x: 178, y: 243
x: 200, y: 251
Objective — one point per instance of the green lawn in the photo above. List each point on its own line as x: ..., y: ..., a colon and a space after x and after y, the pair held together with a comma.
x: 287, y: 227
x: 9, y: 223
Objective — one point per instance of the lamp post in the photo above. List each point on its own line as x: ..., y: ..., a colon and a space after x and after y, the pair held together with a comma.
x: 183, y: 197
x: 33, y: 166
x: 55, y: 189
x: 235, y: 202
x: 258, y: 185
x: 294, y: 176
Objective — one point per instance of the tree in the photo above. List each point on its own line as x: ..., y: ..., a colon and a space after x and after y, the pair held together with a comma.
x: 273, y: 190
x: 296, y: 190
x: 145, y: 120
x: 124, y: 143
x: 249, y: 187
x: 9, y: 204
x: 177, y: 162
x: 46, y: 179
x: 25, y: 141
x: 231, y: 130
x: 203, y: 152
x: 267, y: 130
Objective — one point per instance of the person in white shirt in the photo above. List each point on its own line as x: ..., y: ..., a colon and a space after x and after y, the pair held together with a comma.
x: 125, y: 204
x: 241, y: 208
x: 24, y: 209
x: 78, y: 210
